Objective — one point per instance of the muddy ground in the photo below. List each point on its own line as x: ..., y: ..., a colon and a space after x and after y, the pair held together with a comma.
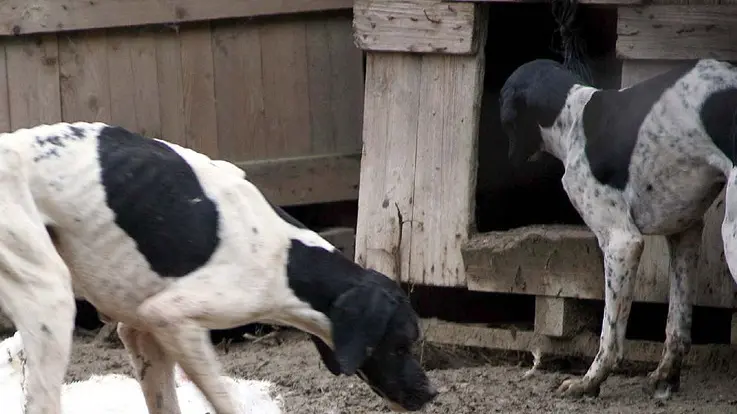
x: 471, y: 381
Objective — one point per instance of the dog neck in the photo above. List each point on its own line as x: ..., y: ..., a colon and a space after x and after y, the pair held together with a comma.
x: 319, y: 276
x: 559, y: 138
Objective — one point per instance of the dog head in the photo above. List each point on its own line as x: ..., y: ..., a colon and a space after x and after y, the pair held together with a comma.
x: 373, y: 330
x: 533, y: 97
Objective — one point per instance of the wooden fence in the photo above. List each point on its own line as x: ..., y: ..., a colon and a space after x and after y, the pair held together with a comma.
x: 276, y: 86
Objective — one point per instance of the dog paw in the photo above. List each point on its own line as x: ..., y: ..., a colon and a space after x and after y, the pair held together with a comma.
x: 577, y: 388
x: 661, y: 386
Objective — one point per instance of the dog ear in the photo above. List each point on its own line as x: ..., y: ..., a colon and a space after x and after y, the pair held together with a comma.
x: 327, y: 355
x: 359, y: 317
x: 511, y: 106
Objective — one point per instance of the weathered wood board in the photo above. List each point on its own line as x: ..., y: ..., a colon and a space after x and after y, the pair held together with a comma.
x: 536, y: 260
x: 240, y: 90
x: 308, y: 179
x: 416, y: 26
x: 419, y: 164
x: 23, y: 17
x: 32, y: 67
x: 677, y: 32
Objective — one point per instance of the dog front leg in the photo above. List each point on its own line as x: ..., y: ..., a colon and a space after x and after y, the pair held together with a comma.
x: 154, y: 370
x: 35, y: 292
x: 684, y: 254
x: 179, y: 318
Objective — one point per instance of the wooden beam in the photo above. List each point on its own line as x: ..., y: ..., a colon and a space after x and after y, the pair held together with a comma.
x: 561, y: 317
x: 674, y: 32
x: 306, y: 180
x: 597, y: 2
x: 24, y: 17
x: 546, y: 260
x: 581, y: 345
x: 418, y: 26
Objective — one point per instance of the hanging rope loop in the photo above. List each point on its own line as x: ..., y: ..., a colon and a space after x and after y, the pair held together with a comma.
x: 573, y: 46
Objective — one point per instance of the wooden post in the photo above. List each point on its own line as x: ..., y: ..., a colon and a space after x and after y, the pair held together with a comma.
x: 418, y: 169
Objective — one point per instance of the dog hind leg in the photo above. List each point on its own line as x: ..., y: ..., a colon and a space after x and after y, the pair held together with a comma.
x: 180, y: 316
x: 154, y: 370
x: 684, y: 252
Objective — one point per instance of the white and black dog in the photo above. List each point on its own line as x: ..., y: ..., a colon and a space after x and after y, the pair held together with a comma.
x: 170, y: 244
x: 645, y: 160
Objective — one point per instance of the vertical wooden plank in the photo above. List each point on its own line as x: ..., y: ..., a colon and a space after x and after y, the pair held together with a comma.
x: 241, y: 125
x: 347, y: 85
x: 199, y: 90
x: 134, y: 94
x: 33, y: 80
x: 714, y: 286
x: 84, y: 79
x: 4, y: 102
x: 386, y: 188
x: 286, y: 94
x: 320, y: 82
x: 171, y: 89
x: 445, y: 176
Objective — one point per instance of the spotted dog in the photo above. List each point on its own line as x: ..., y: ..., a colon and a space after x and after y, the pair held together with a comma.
x: 169, y: 244
x: 645, y: 160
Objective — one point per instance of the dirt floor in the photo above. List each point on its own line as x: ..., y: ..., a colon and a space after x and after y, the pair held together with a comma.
x: 471, y: 381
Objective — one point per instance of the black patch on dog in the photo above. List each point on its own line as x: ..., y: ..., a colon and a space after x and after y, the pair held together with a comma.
x: 158, y: 201
x: 533, y: 96
x: 719, y: 117
x: 612, y: 121
x: 318, y: 276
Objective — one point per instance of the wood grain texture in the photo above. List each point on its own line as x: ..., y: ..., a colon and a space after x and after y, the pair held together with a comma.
x: 198, y: 82
x: 4, y: 102
x: 419, y: 26
x: 548, y: 260
x: 335, y: 79
x: 241, y: 121
x: 306, y: 180
x: 445, y: 176
x: 391, y: 116
x: 33, y: 80
x: 677, y: 32
x: 84, y: 77
x: 286, y: 90
x: 134, y: 93
x: 24, y: 17
x: 347, y: 80
x: 584, y: 344
x: 319, y: 68
x: 171, y: 87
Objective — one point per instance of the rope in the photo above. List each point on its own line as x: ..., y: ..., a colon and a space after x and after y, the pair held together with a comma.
x: 573, y: 48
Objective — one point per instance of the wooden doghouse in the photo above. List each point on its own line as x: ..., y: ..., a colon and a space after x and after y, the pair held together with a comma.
x: 425, y: 72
